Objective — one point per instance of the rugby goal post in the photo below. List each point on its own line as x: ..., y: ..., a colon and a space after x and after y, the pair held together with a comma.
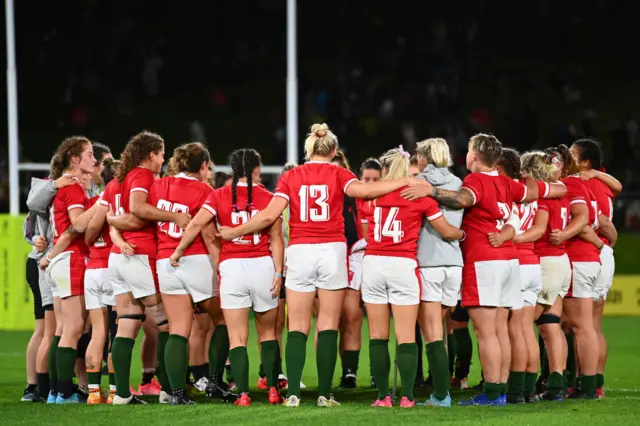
x: 15, y: 167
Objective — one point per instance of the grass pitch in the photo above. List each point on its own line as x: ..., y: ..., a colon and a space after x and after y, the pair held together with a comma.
x: 621, y: 406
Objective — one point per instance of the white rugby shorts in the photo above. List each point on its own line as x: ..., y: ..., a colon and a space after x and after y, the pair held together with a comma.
x: 317, y: 266
x: 390, y: 279
x: 194, y: 277
x: 246, y: 283
x: 441, y: 284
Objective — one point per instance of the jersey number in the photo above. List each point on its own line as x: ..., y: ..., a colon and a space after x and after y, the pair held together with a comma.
x: 319, y: 194
x: 174, y: 230
x: 239, y: 218
x: 505, y: 212
x: 391, y: 228
x: 528, y: 212
x: 564, y: 214
x: 596, y: 222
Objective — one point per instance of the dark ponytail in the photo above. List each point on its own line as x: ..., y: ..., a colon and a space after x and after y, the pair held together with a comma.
x: 510, y: 162
x: 243, y: 162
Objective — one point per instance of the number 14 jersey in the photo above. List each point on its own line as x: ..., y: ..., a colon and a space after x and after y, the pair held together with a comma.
x: 394, y: 224
x: 315, y: 191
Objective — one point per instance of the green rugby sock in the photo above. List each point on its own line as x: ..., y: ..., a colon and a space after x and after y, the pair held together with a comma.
x: 121, y: 353
x: 239, y: 360
x: 161, y: 371
x: 94, y: 377
x: 176, y: 358
x: 530, y: 383
x: 599, y: 380
x: 218, y: 351
x: 407, y: 366
x: 326, y: 360
x: 464, y: 352
x: 296, y: 352
x: 437, y: 357
x: 350, y: 361
x: 588, y: 384
x: 515, y: 385
x: 492, y: 390
x: 380, y: 363
x: 270, y: 354
x: 66, y: 362
x: 555, y: 384
x: 53, y: 368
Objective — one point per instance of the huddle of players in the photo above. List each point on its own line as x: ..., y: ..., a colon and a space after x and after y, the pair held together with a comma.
x: 152, y: 243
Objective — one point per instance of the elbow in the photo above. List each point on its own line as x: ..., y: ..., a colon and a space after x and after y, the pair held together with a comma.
x: 136, y: 210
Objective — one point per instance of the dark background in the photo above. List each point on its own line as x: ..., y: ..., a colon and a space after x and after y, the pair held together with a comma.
x: 379, y: 73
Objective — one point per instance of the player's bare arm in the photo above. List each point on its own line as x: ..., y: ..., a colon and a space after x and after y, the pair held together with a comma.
x: 80, y: 218
x: 614, y: 184
x: 579, y: 219
x: 128, y: 249
x: 532, y: 189
x: 260, y: 221
x: 590, y: 236
x: 125, y: 222
x: 536, y: 231
x: 557, y: 190
x: 65, y: 240
x: 277, y: 251
x: 608, y: 230
x: 446, y: 230
x: 95, y: 224
x: 373, y: 190
x: 456, y: 200
x: 142, y: 209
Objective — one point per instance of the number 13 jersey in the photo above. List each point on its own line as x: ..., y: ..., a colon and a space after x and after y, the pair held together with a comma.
x: 219, y: 203
x: 178, y: 194
x: 315, y: 192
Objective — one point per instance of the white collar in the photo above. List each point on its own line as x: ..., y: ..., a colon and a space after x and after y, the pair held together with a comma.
x: 318, y: 162
x: 491, y: 173
x: 184, y: 176
x: 242, y: 184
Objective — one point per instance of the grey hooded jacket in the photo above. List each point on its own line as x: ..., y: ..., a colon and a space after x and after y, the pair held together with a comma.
x: 433, y: 251
x: 38, y: 201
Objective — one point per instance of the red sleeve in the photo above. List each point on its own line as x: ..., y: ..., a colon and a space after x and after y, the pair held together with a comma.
x: 518, y: 191
x: 142, y: 181
x: 345, y: 178
x: 473, y: 183
x: 105, y: 198
x: 362, y: 215
x: 211, y: 204
x: 282, y: 188
x: 365, y: 210
x: 576, y: 193
x: 430, y: 209
x: 75, y: 197
x: 543, y: 189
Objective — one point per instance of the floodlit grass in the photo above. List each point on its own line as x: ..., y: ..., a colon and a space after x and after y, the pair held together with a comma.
x: 621, y: 406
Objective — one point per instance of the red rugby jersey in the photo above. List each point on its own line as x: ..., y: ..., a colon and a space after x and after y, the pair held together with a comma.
x: 493, y: 197
x: 604, y: 197
x: 315, y: 192
x: 101, y: 247
x: 578, y: 193
x: 219, y: 203
x: 137, y: 180
x: 178, y: 194
x: 66, y: 199
x: 394, y: 224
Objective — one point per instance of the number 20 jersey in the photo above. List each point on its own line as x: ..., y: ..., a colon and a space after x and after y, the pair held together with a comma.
x: 493, y: 198
x: 178, y: 194
x: 220, y: 204
x: 315, y: 192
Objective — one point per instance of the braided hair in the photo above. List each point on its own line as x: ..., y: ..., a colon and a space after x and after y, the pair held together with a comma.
x: 243, y: 162
x: 510, y: 163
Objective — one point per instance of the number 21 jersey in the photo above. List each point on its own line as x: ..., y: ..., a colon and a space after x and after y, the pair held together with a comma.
x: 315, y: 192
x: 220, y: 204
